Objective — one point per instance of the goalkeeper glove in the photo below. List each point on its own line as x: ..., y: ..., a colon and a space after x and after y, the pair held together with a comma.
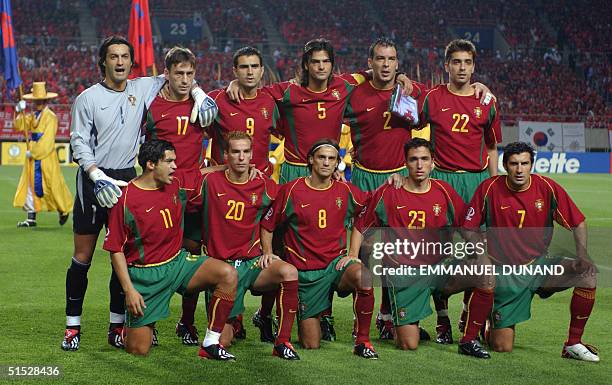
x: 205, y: 109
x: 106, y: 188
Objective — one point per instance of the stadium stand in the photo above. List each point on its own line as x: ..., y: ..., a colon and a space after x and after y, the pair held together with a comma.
x: 555, y: 70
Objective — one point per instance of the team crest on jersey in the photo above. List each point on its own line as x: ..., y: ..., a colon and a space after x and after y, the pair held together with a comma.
x: 477, y: 112
x: 253, y: 199
x: 539, y: 204
x: 336, y: 94
x: 132, y: 99
x: 437, y: 209
x: 339, y: 202
x: 264, y: 113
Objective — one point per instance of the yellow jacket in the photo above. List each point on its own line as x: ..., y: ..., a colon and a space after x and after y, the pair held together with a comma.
x: 42, y: 170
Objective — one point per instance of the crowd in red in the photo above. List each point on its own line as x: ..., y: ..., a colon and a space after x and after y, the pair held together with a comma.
x: 526, y: 83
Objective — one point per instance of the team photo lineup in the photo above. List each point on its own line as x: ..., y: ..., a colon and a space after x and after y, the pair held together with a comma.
x: 367, y: 187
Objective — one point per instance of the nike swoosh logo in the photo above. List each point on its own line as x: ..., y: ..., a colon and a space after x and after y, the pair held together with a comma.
x: 104, y: 108
x: 306, y: 205
x: 582, y: 317
x: 149, y: 209
x: 399, y: 207
x: 292, y: 311
x: 476, y: 323
x: 306, y: 100
x: 221, y: 194
x: 370, y: 109
x: 445, y: 109
x: 233, y: 113
x: 164, y: 115
x: 505, y: 207
x: 74, y: 299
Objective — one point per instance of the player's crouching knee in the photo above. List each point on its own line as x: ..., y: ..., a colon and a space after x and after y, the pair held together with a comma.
x: 311, y: 344
x: 229, y: 276
x: 288, y: 272
x: 138, y: 350
x: 501, y: 346
x: 406, y: 345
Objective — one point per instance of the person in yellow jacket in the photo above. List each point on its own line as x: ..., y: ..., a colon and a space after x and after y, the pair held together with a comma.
x: 42, y: 185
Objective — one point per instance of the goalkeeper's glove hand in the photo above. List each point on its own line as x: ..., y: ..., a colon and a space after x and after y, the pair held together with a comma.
x: 106, y: 188
x: 204, y: 109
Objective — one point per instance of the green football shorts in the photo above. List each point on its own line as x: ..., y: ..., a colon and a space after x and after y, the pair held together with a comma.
x: 464, y: 183
x: 157, y: 284
x: 370, y: 181
x: 514, y: 293
x: 315, y: 287
x: 291, y: 172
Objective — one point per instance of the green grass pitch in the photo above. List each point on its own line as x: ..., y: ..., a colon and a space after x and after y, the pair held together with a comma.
x: 33, y: 265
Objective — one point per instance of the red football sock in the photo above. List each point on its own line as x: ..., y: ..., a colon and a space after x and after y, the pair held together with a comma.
x: 267, y: 303
x: 479, y: 308
x: 580, y: 310
x: 363, y: 305
x: 385, y: 305
x: 219, y: 309
x: 286, y: 304
x: 189, y: 307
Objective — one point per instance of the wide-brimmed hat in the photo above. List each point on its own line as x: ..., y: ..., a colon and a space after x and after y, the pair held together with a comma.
x: 39, y: 92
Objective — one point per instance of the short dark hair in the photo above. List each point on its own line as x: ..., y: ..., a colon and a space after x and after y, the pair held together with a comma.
x: 415, y: 143
x: 311, y: 47
x: 382, y: 41
x: 459, y: 45
x: 247, y: 51
x: 178, y: 55
x: 153, y: 151
x: 317, y: 145
x: 515, y: 148
x: 104, y: 49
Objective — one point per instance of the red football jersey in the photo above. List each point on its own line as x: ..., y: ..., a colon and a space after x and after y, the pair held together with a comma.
x: 257, y: 117
x: 378, y: 136
x: 169, y: 121
x: 308, y: 116
x: 147, y: 224
x: 520, y: 223
x: 416, y: 217
x: 232, y: 214
x: 317, y: 221
x: 461, y: 128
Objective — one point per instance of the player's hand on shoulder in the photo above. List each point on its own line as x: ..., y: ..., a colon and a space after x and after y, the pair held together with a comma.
x: 134, y: 302
x: 339, y: 176
x: 344, y: 261
x: 395, y: 180
x: 483, y: 93
x: 106, y: 189
x: 255, y: 173
x: 233, y: 92
x: 266, y: 259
